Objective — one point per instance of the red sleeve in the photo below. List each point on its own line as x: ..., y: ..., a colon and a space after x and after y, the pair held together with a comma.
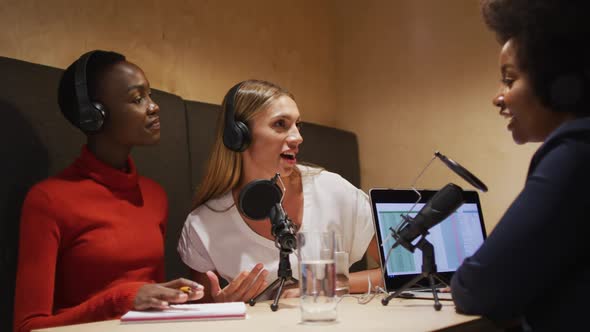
x: 161, y: 270
x: 39, y: 245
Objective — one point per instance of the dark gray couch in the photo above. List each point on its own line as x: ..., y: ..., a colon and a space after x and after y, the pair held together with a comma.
x: 37, y: 142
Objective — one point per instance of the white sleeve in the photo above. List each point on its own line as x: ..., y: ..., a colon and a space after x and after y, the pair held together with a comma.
x: 363, y: 226
x: 191, y: 249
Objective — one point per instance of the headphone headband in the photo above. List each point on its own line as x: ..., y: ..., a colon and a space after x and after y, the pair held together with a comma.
x: 230, y: 100
x: 80, y: 79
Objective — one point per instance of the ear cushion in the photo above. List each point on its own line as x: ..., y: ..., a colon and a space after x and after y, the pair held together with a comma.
x: 236, y: 136
x: 245, y: 135
x: 94, y: 117
x: 101, y: 114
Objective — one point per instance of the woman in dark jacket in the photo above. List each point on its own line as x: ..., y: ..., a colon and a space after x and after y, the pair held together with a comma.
x: 535, y: 266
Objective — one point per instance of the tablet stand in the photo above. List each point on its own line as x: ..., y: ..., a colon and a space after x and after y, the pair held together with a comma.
x: 428, y: 272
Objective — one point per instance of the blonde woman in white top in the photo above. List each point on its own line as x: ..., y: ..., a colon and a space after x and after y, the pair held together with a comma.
x: 260, y: 123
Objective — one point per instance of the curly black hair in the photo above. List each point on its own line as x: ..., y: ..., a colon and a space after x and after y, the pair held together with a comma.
x: 66, y: 93
x: 552, y: 47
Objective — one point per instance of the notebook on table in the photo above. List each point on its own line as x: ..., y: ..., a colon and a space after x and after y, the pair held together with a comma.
x: 454, y: 239
x: 188, y: 312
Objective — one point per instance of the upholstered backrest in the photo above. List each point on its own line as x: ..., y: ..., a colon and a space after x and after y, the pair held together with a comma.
x: 35, y: 142
x: 334, y: 149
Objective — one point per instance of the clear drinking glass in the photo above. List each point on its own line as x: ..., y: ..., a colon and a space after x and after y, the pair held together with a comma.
x: 342, y: 265
x: 317, y: 276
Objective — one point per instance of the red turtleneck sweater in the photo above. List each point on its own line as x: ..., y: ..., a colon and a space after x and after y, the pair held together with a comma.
x: 89, y: 238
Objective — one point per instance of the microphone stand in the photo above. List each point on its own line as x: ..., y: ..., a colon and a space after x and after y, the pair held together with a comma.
x: 428, y: 269
x: 284, y: 274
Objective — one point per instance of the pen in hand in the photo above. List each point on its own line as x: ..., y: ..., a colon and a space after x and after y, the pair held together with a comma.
x: 193, y: 292
x: 186, y: 289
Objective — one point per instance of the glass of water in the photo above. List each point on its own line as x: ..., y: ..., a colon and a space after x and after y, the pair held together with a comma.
x: 342, y: 265
x: 317, y: 276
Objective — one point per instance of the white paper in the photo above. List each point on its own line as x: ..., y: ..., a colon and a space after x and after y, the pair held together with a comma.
x: 202, y: 311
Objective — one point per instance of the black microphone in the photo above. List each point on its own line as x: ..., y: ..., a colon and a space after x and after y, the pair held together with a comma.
x: 261, y: 199
x: 282, y: 228
x: 437, y: 209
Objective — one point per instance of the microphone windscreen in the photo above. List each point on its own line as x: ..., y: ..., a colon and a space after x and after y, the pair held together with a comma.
x: 462, y: 172
x: 258, y: 197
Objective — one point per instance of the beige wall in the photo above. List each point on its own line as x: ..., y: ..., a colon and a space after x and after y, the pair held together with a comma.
x: 197, y: 49
x: 417, y: 76
x: 407, y: 76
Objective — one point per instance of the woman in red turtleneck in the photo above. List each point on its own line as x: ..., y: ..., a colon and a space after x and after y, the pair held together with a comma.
x: 92, y: 237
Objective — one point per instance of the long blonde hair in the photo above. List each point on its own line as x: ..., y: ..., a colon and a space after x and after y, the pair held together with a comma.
x: 224, y: 168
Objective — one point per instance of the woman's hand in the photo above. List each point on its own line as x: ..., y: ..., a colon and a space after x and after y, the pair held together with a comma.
x: 244, y: 287
x: 159, y: 296
x: 445, y: 289
x: 291, y: 292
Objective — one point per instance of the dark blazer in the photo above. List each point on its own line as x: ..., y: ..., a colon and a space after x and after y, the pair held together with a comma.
x: 535, y: 264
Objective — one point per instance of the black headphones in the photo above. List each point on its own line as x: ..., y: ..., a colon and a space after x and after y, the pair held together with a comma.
x: 91, y: 114
x: 236, y: 135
